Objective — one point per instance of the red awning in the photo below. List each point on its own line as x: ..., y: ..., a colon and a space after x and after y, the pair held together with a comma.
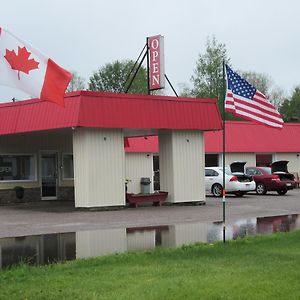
x: 110, y: 110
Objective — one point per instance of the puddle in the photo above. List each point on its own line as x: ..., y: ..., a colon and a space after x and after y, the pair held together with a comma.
x: 49, y: 248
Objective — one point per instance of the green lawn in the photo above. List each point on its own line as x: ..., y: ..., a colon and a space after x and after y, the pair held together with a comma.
x: 264, y: 267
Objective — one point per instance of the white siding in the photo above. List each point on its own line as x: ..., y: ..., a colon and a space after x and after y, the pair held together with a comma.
x: 99, y: 167
x: 250, y: 158
x: 138, y: 165
x: 294, y: 160
x: 182, y: 165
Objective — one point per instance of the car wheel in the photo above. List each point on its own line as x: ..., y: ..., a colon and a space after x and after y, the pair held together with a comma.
x: 282, y: 192
x: 217, y: 190
x: 240, y: 194
x: 261, y: 189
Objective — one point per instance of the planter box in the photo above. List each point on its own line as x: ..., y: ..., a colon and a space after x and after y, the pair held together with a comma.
x: 155, y: 198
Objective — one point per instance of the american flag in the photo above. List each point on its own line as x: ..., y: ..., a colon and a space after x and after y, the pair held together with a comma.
x: 245, y: 101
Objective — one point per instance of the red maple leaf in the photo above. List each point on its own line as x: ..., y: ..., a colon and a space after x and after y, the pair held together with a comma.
x: 21, y: 62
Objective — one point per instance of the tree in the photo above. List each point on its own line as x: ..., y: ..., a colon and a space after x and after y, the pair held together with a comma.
x: 260, y: 81
x: 114, y: 77
x: 208, y: 76
x: 290, y: 108
x: 77, y: 83
x: 265, y: 84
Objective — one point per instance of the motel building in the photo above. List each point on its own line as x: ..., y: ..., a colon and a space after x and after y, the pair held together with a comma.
x: 82, y: 152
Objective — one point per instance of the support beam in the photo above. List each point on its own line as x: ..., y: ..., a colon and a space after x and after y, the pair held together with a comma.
x: 99, y: 167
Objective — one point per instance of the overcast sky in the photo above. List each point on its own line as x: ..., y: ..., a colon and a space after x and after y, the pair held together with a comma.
x: 260, y: 35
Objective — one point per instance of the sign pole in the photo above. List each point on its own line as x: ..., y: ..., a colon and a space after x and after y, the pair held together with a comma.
x: 148, y: 66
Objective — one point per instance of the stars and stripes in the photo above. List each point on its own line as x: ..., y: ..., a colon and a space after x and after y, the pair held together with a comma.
x: 245, y: 101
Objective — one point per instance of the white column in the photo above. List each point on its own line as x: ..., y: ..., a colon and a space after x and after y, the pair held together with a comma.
x: 181, y: 164
x: 99, y: 167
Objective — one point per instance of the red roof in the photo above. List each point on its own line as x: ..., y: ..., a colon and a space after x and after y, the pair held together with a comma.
x: 240, y: 137
x: 110, y: 110
x: 252, y: 137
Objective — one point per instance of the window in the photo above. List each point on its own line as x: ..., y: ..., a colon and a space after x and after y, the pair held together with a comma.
x: 211, y: 160
x: 209, y: 172
x: 263, y: 160
x: 17, y: 167
x: 156, y: 181
x: 253, y: 171
x: 68, y: 167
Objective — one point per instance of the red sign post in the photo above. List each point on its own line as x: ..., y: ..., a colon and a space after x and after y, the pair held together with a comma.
x: 156, y: 70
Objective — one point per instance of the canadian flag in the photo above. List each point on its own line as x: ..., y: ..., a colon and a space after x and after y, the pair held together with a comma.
x: 27, y: 69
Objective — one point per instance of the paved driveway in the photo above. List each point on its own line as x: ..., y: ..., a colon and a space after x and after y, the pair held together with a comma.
x: 55, y: 217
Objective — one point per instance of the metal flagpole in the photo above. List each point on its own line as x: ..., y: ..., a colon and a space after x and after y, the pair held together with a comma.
x: 224, y: 150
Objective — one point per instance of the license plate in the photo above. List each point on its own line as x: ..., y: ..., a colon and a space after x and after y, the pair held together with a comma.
x: 288, y: 184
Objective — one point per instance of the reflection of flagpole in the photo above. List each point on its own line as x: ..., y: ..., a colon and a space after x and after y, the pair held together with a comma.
x: 224, y: 150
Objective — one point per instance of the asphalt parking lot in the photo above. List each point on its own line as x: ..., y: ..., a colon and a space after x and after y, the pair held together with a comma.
x: 54, y: 216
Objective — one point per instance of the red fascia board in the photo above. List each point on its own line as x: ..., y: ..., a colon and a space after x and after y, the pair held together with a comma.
x: 110, y: 110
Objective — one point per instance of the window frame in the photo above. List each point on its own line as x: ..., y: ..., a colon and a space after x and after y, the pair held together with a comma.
x: 34, y: 155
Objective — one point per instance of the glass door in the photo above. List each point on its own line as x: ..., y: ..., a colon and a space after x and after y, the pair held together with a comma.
x: 49, y: 176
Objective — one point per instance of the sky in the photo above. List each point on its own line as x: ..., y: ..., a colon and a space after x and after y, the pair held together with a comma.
x: 82, y: 36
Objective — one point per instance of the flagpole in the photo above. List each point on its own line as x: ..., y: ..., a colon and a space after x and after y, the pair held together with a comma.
x: 224, y: 150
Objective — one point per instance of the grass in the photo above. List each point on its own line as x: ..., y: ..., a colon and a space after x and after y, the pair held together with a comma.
x: 263, y: 267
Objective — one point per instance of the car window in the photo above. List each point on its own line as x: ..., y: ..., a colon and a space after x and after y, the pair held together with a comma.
x: 253, y: 171
x: 210, y: 172
x: 250, y: 171
x: 267, y: 170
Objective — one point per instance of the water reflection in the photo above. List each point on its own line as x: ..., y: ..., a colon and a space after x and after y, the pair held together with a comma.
x: 44, y: 249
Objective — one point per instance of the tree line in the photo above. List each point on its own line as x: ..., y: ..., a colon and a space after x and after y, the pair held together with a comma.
x: 207, y: 81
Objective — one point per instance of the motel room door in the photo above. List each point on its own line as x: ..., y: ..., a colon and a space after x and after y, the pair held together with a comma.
x: 49, y: 176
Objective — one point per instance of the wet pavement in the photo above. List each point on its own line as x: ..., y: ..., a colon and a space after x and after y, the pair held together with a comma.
x: 55, y: 247
x: 51, y: 217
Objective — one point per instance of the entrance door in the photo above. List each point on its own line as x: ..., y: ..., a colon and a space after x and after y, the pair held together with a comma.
x: 49, y: 176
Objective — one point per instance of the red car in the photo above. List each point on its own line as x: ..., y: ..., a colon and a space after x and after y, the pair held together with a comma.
x: 274, y: 178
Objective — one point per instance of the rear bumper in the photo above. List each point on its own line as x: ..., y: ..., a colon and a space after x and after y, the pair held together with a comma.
x: 240, y: 186
x: 282, y: 185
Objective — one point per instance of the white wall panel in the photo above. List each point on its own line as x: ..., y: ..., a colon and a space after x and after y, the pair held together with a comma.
x: 182, y: 165
x: 294, y: 160
x: 250, y: 158
x: 99, y: 167
x: 138, y: 165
